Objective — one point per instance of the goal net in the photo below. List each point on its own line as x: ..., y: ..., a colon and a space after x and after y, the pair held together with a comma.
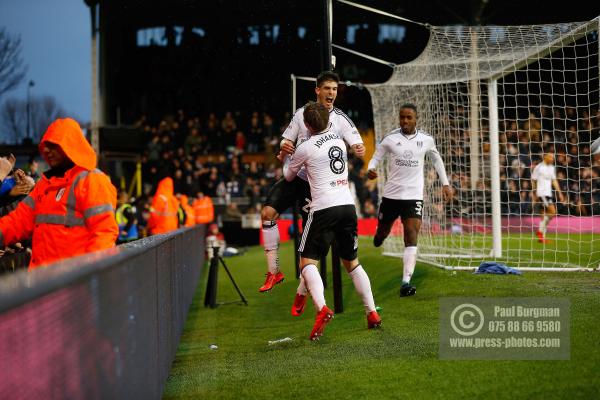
x: 496, y: 98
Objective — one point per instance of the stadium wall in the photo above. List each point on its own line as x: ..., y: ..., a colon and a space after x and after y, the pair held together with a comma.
x: 103, y: 325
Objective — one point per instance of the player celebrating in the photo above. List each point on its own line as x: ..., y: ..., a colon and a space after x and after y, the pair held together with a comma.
x: 332, y: 213
x: 543, y: 178
x: 403, y: 191
x: 283, y: 194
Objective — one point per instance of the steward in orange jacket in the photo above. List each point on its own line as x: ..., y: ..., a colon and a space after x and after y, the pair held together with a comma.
x: 204, y: 209
x: 163, y: 212
x: 190, y: 215
x: 70, y: 211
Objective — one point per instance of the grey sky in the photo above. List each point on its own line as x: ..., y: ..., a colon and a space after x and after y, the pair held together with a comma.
x: 55, y: 36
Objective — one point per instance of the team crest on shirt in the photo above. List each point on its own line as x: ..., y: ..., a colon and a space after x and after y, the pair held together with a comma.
x: 419, y: 144
x: 59, y: 194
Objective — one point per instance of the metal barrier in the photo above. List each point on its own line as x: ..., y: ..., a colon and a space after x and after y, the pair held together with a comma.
x: 101, y: 326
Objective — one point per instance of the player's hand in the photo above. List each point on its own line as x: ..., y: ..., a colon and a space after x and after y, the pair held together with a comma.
x: 372, y: 174
x: 447, y: 192
x: 288, y: 147
x: 280, y: 156
x: 561, y: 197
x: 359, y: 150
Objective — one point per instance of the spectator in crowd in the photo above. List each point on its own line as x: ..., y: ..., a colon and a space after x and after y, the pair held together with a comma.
x: 32, y: 168
x: 232, y: 212
x: 204, y: 209
x: 142, y: 206
x: 71, y: 210
x: 255, y: 135
x: 126, y: 216
x: 190, y: 215
x: 13, y: 189
x: 164, y: 209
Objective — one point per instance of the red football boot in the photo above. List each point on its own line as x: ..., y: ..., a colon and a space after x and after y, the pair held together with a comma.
x: 272, y: 280
x: 373, y: 320
x: 298, y: 306
x: 323, y: 317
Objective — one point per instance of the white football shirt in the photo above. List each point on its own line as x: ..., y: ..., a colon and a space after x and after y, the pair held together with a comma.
x: 339, y: 123
x: 405, y: 178
x: 543, y: 174
x: 325, y: 159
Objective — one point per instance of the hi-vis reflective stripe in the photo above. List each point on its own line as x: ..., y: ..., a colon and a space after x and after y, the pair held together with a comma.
x: 29, y: 201
x: 71, y: 200
x: 95, y: 210
x: 71, y: 220
x: 57, y: 219
x: 165, y: 214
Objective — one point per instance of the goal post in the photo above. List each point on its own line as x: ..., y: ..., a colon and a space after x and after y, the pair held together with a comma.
x: 496, y: 99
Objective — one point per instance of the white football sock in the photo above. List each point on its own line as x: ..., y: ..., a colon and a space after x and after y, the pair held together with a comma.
x: 363, y: 287
x: 301, y: 287
x: 410, y: 260
x: 314, y: 285
x: 271, y: 244
x: 544, y: 224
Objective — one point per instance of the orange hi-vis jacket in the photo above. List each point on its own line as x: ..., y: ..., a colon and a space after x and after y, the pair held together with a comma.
x: 190, y: 215
x: 163, y: 211
x: 69, y: 215
x: 204, y: 210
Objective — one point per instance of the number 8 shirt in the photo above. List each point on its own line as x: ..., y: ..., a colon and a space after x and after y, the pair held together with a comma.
x: 326, y: 163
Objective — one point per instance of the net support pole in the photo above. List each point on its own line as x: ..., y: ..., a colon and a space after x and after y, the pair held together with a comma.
x: 474, y: 111
x: 495, y: 169
x: 327, y: 59
x: 295, y: 205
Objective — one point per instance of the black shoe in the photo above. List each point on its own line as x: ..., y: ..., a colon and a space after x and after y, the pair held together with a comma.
x: 377, y: 241
x: 407, y: 290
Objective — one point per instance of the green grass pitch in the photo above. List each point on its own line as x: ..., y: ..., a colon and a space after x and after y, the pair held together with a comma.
x: 351, y: 362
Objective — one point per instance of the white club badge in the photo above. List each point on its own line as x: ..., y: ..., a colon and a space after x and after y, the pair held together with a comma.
x: 59, y: 194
